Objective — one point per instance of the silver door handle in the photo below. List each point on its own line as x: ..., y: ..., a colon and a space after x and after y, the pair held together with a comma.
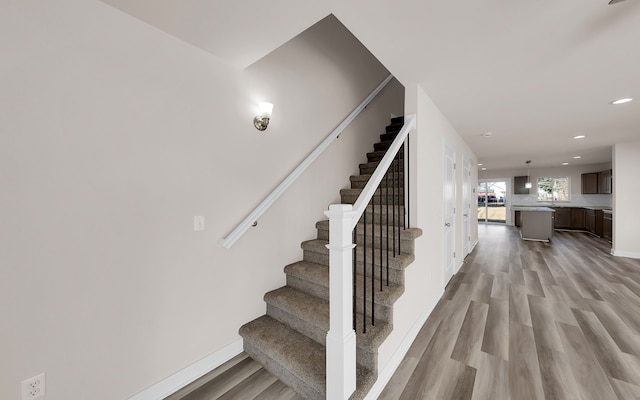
x: 447, y: 224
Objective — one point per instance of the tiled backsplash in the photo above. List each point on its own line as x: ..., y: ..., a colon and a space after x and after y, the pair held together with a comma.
x: 577, y: 200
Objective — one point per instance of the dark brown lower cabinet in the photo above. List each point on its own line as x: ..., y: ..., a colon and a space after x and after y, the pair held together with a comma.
x: 599, y: 223
x: 562, y: 218
x: 577, y: 218
x: 607, y: 226
x: 518, y: 220
x: 590, y: 220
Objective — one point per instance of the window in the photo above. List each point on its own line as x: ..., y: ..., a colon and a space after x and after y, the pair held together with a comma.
x: 553, y: 189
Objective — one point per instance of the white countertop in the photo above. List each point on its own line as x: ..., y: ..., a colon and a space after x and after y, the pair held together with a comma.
x: 535, y: 209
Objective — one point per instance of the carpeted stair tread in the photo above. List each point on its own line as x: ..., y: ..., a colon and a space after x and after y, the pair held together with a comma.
x: 318, y: 246
x: 319, y: 275
x: 300, y: 356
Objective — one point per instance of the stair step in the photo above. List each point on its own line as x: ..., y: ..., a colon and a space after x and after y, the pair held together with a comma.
x: 389, y: 136
x: 309, y: 315
x: 377, y: 155
x: 316, y: 252
x: 300, y: 276
x: 394, y: 127
x: 294, y: 358
x: 382, y: 145
x: 398, y: 120
x: 407, y: 236
x: 369, y: 167
x: 395, y: 180
x: 349, y: 196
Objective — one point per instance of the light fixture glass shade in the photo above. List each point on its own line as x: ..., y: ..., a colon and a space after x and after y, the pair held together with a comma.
x: 528, y: 185
x: 265, y: 109
x: 261, y: 121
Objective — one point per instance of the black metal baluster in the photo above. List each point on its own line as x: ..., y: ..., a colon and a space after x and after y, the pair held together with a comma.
x: 355, y: 275
x: 364, y: 279
x: 387, y: 192
x: 393, y: 201
x: 373, y: 253
x: 380, y: 229
x: 404, y: 211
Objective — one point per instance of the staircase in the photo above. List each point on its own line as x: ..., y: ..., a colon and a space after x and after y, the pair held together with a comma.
x: 289, y: 340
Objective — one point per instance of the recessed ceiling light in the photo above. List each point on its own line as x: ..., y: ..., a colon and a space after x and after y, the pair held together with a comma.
x: 621, y: 101
x: 486, y: 134
x: 579, y: 137
x: 484, y: 169
x: 480, y: 164
x: 565, y: 163
x: 577, y: 157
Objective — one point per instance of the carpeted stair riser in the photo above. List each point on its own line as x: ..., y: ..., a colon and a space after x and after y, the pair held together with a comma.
x: 370, y: 167
x: 377, y: 155
x: 394, y: 180
x: 405, y: 245
x: 300, y: 279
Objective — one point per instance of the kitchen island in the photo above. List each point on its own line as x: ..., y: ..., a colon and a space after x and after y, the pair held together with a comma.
x: 536, y: 223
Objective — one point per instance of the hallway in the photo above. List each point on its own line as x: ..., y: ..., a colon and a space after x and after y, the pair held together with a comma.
x: 530, y: 320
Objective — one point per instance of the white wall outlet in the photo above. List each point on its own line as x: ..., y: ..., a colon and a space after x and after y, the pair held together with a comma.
x: 33, y: 388
x: 198, y: 223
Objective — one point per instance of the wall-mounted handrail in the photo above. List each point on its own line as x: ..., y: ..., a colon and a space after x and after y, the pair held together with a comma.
x: 229, y: 241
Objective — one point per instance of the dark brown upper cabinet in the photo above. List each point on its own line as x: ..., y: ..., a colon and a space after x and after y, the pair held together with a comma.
x: 519, y: 183
x: 605, y: 181
x: 590, y: 183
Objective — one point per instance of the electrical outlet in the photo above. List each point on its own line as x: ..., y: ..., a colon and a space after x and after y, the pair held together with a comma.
x: 33, y: 388
x: 198, y: 223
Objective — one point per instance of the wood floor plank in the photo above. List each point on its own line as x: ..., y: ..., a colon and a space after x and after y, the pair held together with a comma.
x: 626, y: 340
x: 500, y: 289
x: 624, y: 390
x: 557, y: 381
x: 225, y: 381
x: 519, y: 305
x: 278, y: 391
x: 544, y: 324
x: 251, y: 386
x: 496, y: 332
x: 467, y: 345
x: 532, y: 283
x: 525, y: 382
x: 492, y: 379
x: 591, y: 380
x: 399, y: 380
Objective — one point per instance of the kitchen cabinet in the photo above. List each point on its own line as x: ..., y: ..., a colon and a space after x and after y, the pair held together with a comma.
x: 577, y: 218
x: 562, y: 218
x: 598, y: 228
x: 518, y: 219
x: 519, y: 183
x: 605, y: 179
x: 590, y: 220
x: 607, y: 226
x: 590, y: 183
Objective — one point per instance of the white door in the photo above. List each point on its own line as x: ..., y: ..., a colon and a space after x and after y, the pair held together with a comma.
x: 466, y: 206
x: 449, y: 192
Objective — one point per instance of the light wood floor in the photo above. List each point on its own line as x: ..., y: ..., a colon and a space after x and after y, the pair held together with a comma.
x: 521, y: 320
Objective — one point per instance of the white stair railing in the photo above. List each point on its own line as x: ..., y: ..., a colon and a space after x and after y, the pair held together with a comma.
x: 341, y: 338
x: 253, y: 217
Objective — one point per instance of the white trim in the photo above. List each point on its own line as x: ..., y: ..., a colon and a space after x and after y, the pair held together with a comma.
x: 189, y: 374
x: 628, y: 254
x: 394, y: 362
x: 459, y: 266
x: 473, y: 246
x: 250, y: 219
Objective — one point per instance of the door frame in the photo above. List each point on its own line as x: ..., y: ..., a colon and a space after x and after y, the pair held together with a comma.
x: 507, y: 199
x: 448, y: 254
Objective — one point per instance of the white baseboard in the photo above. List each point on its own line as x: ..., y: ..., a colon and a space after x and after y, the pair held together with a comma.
x: 189, y: 374
x: 628, y: 254
x: 473, y: 246
x: 387, y: 372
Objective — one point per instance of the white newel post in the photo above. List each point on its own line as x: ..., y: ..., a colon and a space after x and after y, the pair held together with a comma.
x: 341, y: 338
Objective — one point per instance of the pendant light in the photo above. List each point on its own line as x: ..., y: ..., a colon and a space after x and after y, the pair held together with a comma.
x: 528, y: 184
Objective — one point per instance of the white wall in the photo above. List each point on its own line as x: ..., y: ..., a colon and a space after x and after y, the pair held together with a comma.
x: 424, y: 278
x: 114, y: 135
x: 626, y: 190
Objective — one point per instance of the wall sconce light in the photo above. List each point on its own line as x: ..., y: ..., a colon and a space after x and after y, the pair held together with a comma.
x: 261, y: 121
x: 528, y: 184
